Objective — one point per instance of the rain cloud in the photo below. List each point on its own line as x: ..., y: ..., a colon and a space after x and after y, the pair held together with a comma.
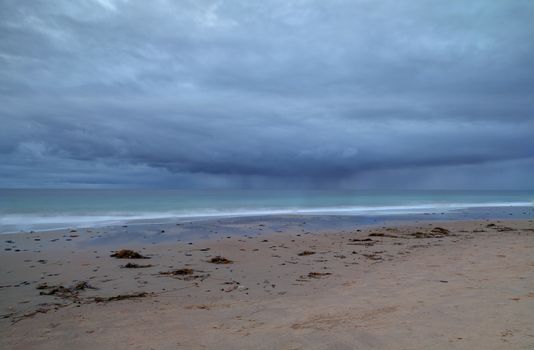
x: 267, y: 94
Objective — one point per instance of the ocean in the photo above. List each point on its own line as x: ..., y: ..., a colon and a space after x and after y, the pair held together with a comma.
x: 45, y: 209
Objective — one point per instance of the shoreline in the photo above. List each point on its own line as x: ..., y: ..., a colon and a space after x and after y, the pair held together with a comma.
x: 344, y: 276
x: 45, y: 223
x: 468, y: 213
x: 169, y: 233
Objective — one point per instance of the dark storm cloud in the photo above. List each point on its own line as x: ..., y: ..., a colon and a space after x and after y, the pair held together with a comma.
x: 274, y: 93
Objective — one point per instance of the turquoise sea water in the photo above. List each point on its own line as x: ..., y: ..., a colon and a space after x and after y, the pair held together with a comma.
x: 49, y: 209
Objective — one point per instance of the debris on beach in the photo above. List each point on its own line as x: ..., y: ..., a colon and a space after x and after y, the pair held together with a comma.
x: 306, y: 252
x: 312, y: 275
x: 82, y: 285
x: 420, y: 234
x: 220, y: 260
x: 233, y: 286
x: 318, y: 274
x: 41, y: 310
x: 185, y: 274
x: 436, y: 232
x: 440, y: 230
x: 128, y: 254
x: 373, y: 256
x: 121, y: 297
x: 199, y: 307
x: 380, y: 234
x: 178, y: 272
x: 368, y: 242
x: 72, y: 293
x: 42, y: 286
x: 134, y: 266
x: 64, y: 292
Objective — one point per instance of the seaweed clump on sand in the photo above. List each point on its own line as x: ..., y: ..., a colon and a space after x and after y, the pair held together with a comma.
x: 121, y: 297
x: 128, y: 254
x: 134, y: 266
x: 436, y: 232
x: 382, y: 234
x: 306, y: 252
x: 179, y: 272
x: 184, y: 274
x: 64, y: 292
x: 318, y: 274
x: 220, y: 260
x: 440, y: 230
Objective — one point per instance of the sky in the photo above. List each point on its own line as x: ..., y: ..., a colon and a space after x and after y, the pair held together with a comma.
x: 363, y: 94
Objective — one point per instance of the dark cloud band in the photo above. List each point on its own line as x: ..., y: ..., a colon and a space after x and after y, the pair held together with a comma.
x: 278, y: 93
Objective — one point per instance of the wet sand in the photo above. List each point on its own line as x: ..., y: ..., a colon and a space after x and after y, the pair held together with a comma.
x: 412, y: 285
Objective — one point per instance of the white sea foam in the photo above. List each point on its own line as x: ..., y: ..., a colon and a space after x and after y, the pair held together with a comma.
x: 25, y: 222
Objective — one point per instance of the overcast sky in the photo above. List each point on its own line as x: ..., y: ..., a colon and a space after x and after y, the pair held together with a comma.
x: 264, y: 94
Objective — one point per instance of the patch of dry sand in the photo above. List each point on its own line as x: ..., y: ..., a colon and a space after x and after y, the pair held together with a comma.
x: 455, y: 285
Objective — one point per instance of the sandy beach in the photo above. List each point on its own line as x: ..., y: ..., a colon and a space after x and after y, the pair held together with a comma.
x: 266, y: 175
x: 412, y: 285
